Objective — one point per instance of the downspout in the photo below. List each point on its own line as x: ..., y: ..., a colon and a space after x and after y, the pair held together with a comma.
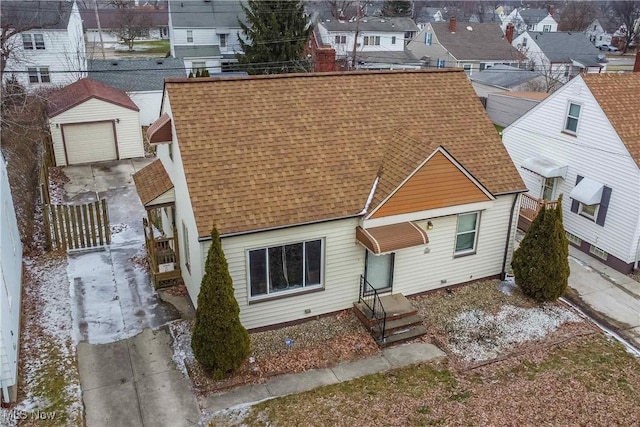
x: 635, y: 263
x: 503, y: 273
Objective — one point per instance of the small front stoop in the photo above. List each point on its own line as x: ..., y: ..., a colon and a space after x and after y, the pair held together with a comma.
x: 402, y: 320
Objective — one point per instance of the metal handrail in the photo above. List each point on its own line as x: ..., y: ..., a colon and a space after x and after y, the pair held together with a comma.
x: 370, y: 298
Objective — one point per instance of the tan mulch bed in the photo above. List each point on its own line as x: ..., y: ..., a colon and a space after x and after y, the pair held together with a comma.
x: 318, y: 343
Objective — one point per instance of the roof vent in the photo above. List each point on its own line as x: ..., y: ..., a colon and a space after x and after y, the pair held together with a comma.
x: 114, y: 62
x: 159, y: 62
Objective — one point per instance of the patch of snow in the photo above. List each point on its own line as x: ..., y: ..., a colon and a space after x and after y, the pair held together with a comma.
x: 479, y: 335
x: 182, y: 353
x: 370, y: 198
x: 118, y: 228
x: 508, y: 285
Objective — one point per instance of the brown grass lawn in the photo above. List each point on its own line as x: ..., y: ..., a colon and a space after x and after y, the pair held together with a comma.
x: 589, y: 380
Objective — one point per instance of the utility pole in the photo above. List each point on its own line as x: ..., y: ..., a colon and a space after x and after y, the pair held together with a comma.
x: 95, y: 8
x: 355, y: 39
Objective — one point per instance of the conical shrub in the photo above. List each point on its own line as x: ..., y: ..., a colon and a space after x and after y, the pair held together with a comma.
x: 219, y: 341
x: 540, y: 264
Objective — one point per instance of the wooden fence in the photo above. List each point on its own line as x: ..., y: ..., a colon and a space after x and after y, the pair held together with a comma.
x: 48, y: 160
x: 77, y: 226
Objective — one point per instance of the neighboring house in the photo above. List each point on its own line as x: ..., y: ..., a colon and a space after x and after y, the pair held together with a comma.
x: 506, y: 107
x: 205, y: 33
x: 531, y: 20
x: 92, y: 122
x: 307, y: 213
x: 10, y: 294
x: 602, y: 30
x: 380, y: 45
x: 500, y: 78
x: 141, y: 79
x: 51, y: 52
x: 322, y: 55
x: 581, y: 142
x: 156, y: 16
x: 561, y: 56
x: 473, y: 47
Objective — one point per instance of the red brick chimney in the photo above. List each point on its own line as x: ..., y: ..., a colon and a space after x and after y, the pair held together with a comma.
x: 452, y: 24
x: 636, y: 65
x: 508, y: 32
x: 324, y: 60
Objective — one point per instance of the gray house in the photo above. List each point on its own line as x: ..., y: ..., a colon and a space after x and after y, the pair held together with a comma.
x: 501, y: 78
x: 141, y: 79
x: 205, y: 33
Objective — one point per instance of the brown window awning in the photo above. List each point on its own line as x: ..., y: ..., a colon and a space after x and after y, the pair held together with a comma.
x: 160, y: 131
x: 389, y: 238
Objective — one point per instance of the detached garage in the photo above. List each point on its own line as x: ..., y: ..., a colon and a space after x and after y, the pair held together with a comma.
x: 92, y: 122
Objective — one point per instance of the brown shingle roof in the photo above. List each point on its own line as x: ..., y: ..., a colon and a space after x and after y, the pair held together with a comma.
x: 152, y: 181
x: 83, y: 90
x: 618, y: 96
x: 273, y: 151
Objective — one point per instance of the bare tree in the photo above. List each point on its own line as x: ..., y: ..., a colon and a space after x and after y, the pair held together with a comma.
x: 121, y: 4
x: 627, y: 14
x: 132, y: 24
x: 340, y: 8
x: 577, y: 15
x: 21, y: 16
x: 554, y: 75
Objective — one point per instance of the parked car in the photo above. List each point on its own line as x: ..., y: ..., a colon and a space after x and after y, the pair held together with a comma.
x: 608, y: 48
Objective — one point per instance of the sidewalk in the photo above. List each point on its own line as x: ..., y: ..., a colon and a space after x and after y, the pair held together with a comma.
x: 282, y: 385
x: 605, y: 294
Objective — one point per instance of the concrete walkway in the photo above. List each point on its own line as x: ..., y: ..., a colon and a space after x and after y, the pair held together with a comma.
x: 282, y: 385
x: 607, y: 295
x: 134, y: 383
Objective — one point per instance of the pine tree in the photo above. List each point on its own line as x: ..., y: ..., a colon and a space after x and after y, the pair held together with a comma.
x: 276, y: 32
x: 396, y: 8
x: 219, y: 341
x: 540, y: 264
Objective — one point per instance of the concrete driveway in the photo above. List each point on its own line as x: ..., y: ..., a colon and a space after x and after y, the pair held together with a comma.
x: 605, y: 294
x: 112, y: 297
x: 127, y: 374
x: 134, y: 382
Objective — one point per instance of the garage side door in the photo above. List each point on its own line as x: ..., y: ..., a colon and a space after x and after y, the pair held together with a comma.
x: 90, y: 142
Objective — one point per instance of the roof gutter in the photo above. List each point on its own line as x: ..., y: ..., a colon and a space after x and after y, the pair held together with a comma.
x: 280, y: 227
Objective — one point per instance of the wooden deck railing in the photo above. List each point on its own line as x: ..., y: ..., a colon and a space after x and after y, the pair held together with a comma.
x: 161, y: 251
x: 530, y: 206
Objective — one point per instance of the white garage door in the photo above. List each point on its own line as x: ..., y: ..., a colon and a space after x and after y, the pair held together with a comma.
x: 90, y: 142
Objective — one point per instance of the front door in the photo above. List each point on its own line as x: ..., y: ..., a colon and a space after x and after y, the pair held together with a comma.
x: 378, y: 271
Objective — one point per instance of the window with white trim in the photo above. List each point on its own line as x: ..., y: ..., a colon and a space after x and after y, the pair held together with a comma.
x: 573, y: 115
x: 286, y: 269
x: 467, y: 68
x: 39, y: 40
x: 223, y: 39
x: 393, y: 39
x: 198, y: 66
x: 372, y: 40
x: 39, y: 75
x: 428, y: 39
x: 589, y: 211
x: 189, y: 36
x: 546, y: 28
x: 467, y: 233
x: 341, y: 39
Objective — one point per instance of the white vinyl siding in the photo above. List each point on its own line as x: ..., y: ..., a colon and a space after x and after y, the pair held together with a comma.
x: 416, y: 271
x: 596, y: 151
x: 128, y: 130
x: 200, y: 36
x: 10, y: 283
x: 89, y: 142
x: 344, y: 263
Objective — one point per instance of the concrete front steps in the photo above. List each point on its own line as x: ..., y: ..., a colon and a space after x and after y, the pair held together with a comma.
x: 402, y: 323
